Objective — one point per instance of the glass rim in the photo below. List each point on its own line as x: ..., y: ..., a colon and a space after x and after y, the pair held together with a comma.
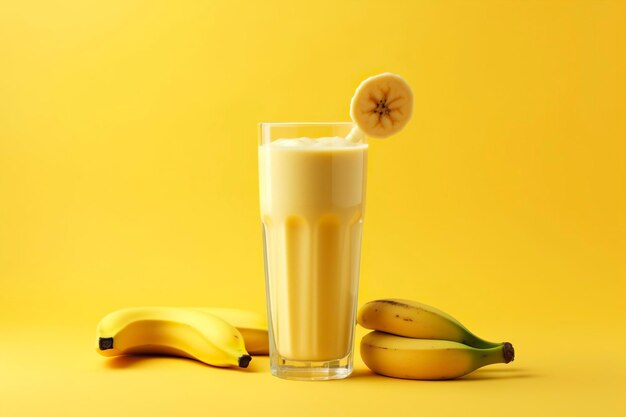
x: 287, y: 124
x: 270, y: 131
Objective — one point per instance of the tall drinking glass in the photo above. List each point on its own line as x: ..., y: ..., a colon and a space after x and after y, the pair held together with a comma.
x: 312, y: 192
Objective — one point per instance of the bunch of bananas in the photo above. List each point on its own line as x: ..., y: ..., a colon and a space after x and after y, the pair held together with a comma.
x: 410, y: 339
x: 415, y: 341
x: 216, y: 336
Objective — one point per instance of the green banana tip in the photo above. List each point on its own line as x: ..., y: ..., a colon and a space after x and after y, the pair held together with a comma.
x: 508, y: 352
x: 244, y: 360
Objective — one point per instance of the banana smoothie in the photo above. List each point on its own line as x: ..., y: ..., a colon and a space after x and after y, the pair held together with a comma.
x: 312, y: 194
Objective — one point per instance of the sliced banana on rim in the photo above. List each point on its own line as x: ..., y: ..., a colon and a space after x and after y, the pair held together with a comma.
x: 382, y: 105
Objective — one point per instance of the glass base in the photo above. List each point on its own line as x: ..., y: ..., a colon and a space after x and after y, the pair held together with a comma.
x: 311, y: 370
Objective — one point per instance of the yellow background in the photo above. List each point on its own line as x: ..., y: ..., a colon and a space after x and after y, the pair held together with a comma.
x: 128, y: 134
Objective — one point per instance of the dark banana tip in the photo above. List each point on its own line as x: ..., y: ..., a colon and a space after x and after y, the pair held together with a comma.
x: 105, y: 343
x: 244, y: 360
x: 508, y: 352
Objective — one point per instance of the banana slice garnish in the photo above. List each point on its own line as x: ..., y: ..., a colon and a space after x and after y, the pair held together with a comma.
x: 382, y: 105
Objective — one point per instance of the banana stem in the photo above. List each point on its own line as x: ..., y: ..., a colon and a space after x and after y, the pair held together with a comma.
x: 504, y: 353
x: 477, y: 342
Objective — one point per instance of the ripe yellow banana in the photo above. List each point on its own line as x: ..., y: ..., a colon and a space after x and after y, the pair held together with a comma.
x: 251, y: 325
x: 403, y: 357
x: 172, y: 331
x: 412, y: 319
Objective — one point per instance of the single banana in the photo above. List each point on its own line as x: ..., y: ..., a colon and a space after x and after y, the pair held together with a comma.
x: 381, y: 106
x: 413, y: 319
x: 172, y: 331
x: 251, y: 325
x: 403, y: 357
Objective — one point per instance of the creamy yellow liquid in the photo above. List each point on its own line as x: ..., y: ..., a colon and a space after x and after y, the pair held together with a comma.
x: 312, y: 204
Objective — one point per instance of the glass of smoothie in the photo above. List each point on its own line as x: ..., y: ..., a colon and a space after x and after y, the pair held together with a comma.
x: 312, y: 193
x: 312, y: 184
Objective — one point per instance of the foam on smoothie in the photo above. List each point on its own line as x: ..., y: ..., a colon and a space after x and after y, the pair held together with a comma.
x: 316, y: 143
